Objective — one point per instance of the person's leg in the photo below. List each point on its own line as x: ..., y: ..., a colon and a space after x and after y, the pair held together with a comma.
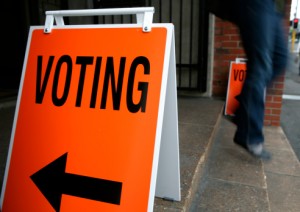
x: 256, y: 24
x: 280, y: 57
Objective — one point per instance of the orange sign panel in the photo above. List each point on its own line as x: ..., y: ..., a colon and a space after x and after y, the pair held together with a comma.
x: 86, y: 120
x: 235, y: 83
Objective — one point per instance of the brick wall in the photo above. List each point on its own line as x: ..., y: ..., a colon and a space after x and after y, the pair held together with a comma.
x: 227, y: 47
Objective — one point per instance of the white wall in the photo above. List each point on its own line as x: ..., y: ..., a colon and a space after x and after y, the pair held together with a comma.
x: 295, y: 8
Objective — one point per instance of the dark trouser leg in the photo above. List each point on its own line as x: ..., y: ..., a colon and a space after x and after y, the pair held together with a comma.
x: 280, y: 54
x: 258, y: 24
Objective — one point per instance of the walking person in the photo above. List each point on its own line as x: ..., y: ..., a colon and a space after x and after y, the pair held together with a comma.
x: 263, y: 37
x: 265, y: 45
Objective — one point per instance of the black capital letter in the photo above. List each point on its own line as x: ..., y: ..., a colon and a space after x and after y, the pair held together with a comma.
x: 142, y: 86
x: 116, y: 91
x: 95, y: 82
x: 60, y: 101
x: 40, y: 91
x: 236, y: 74
x: 84, y: 61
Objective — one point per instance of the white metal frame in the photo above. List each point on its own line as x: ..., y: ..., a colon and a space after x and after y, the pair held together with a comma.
x: 144, y: 16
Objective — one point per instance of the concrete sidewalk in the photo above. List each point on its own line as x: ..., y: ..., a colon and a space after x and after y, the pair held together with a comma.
x: 226, y: 177
x: 235, y: 181
x: 216, y: 175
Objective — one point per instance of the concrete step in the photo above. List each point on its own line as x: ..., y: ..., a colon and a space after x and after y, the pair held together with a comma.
x: 233, y: 180
x: 217, y: 175
x: 198, y: 120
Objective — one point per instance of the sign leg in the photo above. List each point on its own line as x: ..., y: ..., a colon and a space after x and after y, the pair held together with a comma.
x: 168, y: 174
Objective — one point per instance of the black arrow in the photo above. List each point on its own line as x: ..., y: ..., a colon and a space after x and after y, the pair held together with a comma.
x: 52, y: 181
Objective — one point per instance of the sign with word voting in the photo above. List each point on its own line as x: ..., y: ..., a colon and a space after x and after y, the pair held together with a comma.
x: 237, y: 75
x: 89, y: 120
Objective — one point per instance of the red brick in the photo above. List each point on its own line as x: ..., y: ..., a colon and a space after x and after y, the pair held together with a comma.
x: 222, y: 38
x: 279, y: 85
x: 269, y: 98
x: 268, y: 111
x: 238, y: 51
x: 273, y: 105
x: 231, y: 31
x: 272, y: 118
x: 230, y: 44
x: 276, y: 112
x: 277, y: 98
x: 275, y: 92
x: 222, y: 63
x: 275, y: 123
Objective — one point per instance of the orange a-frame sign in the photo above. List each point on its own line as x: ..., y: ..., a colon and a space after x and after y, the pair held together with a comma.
x: 237, y: 74
x: 89, y: 120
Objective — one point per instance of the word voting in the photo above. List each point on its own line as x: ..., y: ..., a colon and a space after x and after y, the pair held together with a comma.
x: 65, y: 65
